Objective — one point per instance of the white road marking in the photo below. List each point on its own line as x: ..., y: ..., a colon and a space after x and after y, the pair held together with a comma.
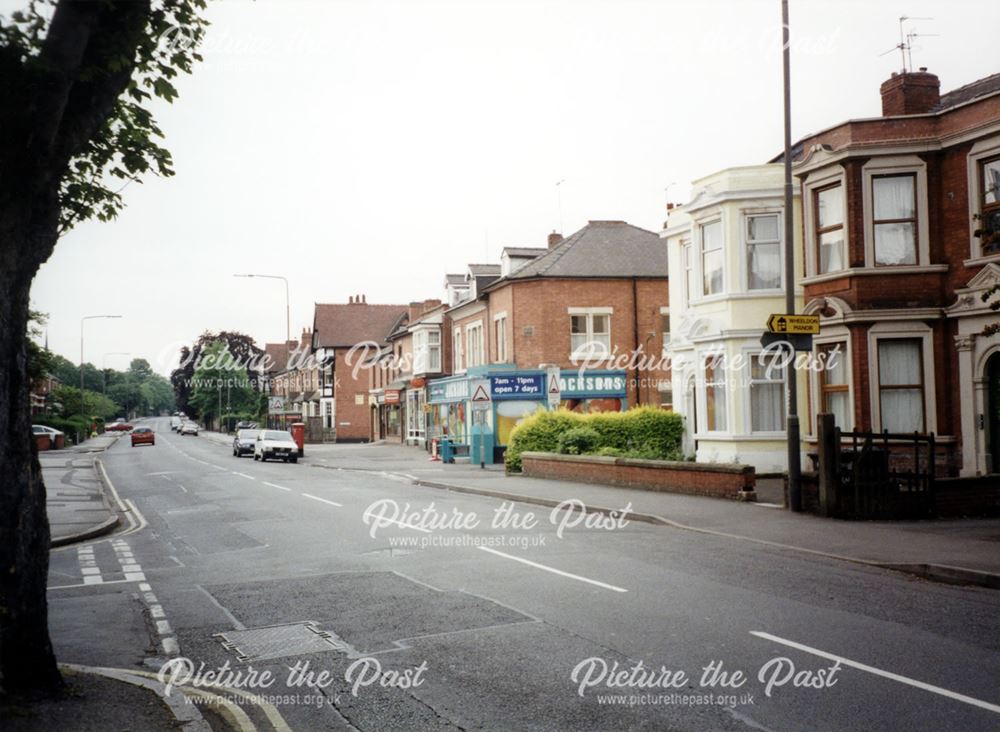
x: 553, y: 570
x: 244, y: 475
x: 323, y: 500
x: 88, y: 584
x: 398, y: 523
x: 170, y: 646
x: 879, y: 672
x: 275, y: 485
x: 163, y: 627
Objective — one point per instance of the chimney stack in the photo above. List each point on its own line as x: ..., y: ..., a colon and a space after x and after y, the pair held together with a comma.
x: 364, y: 299
x: 350, y: 300
x: 554, y: 239
x: 911, y: 92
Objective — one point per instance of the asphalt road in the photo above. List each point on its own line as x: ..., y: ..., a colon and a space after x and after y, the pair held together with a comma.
x: 272, y: 566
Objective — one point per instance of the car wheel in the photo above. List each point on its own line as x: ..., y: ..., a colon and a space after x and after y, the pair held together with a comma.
x: 255, y: 457
x: 293, y: 460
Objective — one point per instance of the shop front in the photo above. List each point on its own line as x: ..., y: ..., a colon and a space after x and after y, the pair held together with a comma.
x: 387, y: 418
x: 447, y: 399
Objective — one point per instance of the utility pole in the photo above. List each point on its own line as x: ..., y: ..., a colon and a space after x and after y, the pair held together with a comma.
x: 792, y: 425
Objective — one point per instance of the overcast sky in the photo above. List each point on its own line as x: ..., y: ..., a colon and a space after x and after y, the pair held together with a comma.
x: 371, y: 147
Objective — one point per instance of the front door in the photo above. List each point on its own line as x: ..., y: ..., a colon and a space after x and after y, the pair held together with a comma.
x: 992, y: 417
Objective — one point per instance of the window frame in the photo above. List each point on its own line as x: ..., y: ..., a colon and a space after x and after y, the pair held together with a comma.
x: 914, y: 220
x: 903, y: 330
x: 709, y: 417
x: 500, y: 337
x: 589, y: 333
x: 818, y: 231
x: 702, y: 251
x: 457, y: 350
x: 687, y: 263
x: 746, y: 244
x: 992, y: 209
x: 475, y: 354
x: 982, y: 151
x: 919, y: 387
x: 752, y: 356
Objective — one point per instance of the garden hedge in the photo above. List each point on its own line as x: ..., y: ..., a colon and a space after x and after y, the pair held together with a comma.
x: 647, y: 432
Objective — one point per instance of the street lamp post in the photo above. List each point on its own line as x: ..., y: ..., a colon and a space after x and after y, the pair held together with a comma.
x: 82, y: 320
x: 288, y: 311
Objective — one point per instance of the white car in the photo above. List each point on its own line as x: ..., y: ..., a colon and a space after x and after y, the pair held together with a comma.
x: 188, y: 428
x: 40, y: 429
x: 276, y: 445
x: 175, y: 423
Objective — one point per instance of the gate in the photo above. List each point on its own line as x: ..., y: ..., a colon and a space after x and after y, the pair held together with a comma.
x: 885, y: 476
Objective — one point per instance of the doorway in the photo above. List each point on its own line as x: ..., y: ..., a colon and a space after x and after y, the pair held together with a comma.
x: 992, y: 417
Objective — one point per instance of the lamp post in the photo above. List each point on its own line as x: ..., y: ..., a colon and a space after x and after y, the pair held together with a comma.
x: 288, y: 317
x: 82, y: 320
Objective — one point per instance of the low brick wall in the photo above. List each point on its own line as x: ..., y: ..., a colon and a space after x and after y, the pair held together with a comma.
x: 700, y: 479
x: 956, y: 497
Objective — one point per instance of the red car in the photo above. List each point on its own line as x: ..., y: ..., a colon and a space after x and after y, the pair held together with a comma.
x: 143, y: 436
x: 118, y: 427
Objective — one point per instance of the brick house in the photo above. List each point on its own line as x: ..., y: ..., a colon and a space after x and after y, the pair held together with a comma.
x: 896, y: 264
x: 347, y: 341
x: 584, y: 304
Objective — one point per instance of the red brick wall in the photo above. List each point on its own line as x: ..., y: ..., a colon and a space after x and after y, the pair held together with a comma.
x: 690, y: 478
x: 346, y: 387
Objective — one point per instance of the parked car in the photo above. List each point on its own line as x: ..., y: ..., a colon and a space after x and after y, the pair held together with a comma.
x: 40, y: 429
x: 188, y: 428
x: 244, y: 442
x: 275, y: 444
x: 176, y: 422
x: 56, y: 441
x: 118, y: 427
x: 246, y: 426
x: 143, y: 436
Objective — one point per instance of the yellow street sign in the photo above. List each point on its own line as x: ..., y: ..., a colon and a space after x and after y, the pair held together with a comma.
x: 806, y: 324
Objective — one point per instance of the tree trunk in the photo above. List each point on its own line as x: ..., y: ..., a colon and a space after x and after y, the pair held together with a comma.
x: 27, y: 662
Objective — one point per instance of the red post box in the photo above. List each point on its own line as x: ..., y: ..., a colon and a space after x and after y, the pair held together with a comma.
x: 299, y: 435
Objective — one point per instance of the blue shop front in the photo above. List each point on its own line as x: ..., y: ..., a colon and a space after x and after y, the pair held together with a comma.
x: 515, y: 394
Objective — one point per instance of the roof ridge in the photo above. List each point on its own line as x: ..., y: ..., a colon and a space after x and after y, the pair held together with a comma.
x: 559, y: 251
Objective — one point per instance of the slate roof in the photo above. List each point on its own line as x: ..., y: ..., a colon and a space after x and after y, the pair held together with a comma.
x: 454, y: 279
x: 980, y: 88
x: 479, y: 270
x: 277, y: 356
x: 524, y: 251
x: 342, y: 326
x: 600, y: 249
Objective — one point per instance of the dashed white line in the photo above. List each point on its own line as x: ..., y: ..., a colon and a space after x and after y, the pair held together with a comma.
x: 322, y: 500
x: 553, y: 570
x: 243, y: 475
x: 381, y: 519
x: 879, y: 672
x: 275, y: 485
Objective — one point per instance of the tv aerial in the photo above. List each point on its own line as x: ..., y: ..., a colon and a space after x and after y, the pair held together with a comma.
x: 905, y: 45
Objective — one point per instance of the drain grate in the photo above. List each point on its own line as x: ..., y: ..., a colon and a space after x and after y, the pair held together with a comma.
x: 279, y: 641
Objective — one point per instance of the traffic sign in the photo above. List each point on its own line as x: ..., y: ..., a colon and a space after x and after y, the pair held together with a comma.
x: 803, y: 324
x: 553, y: 393
x: 480, y: 395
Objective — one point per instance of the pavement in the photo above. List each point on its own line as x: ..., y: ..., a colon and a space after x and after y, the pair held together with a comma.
x: 962, y: 551
x: 77, y: 503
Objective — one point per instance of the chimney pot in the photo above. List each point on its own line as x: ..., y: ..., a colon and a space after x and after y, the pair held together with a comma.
x: 350, y: 300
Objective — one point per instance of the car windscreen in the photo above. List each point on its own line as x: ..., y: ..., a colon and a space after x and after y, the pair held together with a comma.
x: 278, y: 436
x: 246, y: 434
x: 142, y: 429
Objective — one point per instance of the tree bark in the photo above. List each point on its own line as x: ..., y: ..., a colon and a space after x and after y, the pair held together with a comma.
x: 27, y: 662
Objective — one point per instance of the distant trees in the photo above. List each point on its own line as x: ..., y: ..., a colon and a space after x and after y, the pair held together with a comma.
x: 244, y: 354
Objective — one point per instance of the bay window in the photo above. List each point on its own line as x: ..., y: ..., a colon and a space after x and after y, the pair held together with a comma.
x: 989, y: 184
x: 712, y: 258
x: 901, y: 384
x: 894, y: 219
x: 828, y: 215
x: 715, y: 394
x: 767, y: 395
x: 763, y: 240
x: 834, y: 391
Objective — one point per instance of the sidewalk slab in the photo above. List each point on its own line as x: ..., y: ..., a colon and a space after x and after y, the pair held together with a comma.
x: 952, y: 550
x: 76, y: 503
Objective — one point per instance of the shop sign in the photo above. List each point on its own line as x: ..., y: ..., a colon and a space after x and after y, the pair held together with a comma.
x: 448, y: 391
x: 517, y: 386
x: 392, y: 396
x: 592, y: 384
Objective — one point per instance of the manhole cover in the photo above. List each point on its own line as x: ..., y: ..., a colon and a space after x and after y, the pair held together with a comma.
x: 278, y: 641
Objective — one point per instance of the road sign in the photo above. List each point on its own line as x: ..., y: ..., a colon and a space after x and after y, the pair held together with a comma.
x: 481, y: 400
x: 798, y: 341
x: 804, y: 324
x: 552, y: 390
x: 276, y: 405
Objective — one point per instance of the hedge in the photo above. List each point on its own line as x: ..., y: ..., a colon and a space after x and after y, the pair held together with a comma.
x: 647, y: 432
